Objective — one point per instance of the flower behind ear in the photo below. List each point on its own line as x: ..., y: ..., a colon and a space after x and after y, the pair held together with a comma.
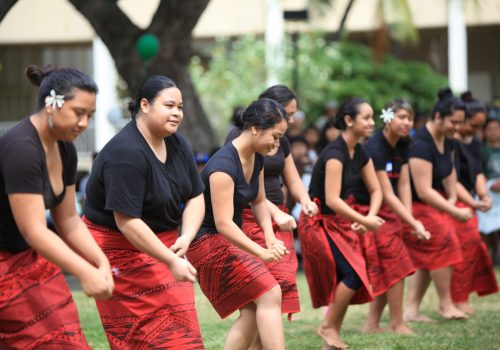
x: 387, y: 115
x: 54, y: 100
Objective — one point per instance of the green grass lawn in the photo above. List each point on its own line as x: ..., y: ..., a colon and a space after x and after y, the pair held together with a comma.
x: 480, y: 331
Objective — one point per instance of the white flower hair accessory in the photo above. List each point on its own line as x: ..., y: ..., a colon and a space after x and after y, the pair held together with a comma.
x: 387, y: 115
x: 54, y: 100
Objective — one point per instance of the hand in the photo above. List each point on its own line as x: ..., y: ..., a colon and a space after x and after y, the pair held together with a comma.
x: 358, y: 228
x: 97, y: 282
x: 452, y: 200
x: 462, y: 214
x: 284, y: 221
x: 484, y: 204
x: 181, y: 246
x: 310, y: 208
x: 420, y: 231
x: 495, y: 186
x: 275, y: 251
x: 182, y: 269
x: 373, y: 222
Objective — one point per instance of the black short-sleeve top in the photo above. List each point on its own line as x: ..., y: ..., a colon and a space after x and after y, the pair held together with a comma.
x: 423, y: 147
x: 387, y: 158
x: 273, y: 168
x: 352, y: 182
x: 23, y: 169
x: 128, y: 178
x: 468, y: 163
x: 227, y: 160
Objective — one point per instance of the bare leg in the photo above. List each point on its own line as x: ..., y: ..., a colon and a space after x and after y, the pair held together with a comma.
x: 418, y: 285
x: 395, y: 301
x: 243, y: 330
x: 442, y: 281
x: 269, y: 320
x: 372, y: 323
x: 256, y: 344
x: 330, y: 327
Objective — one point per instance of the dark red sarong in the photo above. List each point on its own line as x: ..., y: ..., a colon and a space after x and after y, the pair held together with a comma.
x: 229, y: 277
x: 387, y: 259
x: 475, y: 273
x: 442, y: 249
x: 36, y: 307
x: 284, y: 271
x: 319, y: 265
x: 149, y: 308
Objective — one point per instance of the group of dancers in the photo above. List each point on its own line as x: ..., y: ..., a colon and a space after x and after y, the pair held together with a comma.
x: 374, y: 214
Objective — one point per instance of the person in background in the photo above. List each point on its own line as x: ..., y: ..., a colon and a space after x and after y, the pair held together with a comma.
x: 37, y: 172
x: 327, y: 134
x: 143, y: 185
x: 475, y: 273
x: 312, y: 135
x: 331, y: 247
x: 232, y: 269
x: 434, y: 193
x: 489, y: 225
x: 329, y: 111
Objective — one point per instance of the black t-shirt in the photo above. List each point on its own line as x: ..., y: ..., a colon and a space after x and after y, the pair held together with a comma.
x: 128, y: 178
x: 387, y: 158
x: 468, y: 163
x: 423, y: 147
x: 352, y: 182
x: 227, y: 160
x: 273, y: 168
x: 23, y: 169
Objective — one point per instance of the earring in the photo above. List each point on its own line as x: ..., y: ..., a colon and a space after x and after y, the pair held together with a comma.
x: 50, y: 121
x: 349, y: 125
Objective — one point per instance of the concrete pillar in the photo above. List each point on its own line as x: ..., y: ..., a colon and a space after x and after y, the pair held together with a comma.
x: 457, y: 46
x: 107, y: 100
x: 274, y: 38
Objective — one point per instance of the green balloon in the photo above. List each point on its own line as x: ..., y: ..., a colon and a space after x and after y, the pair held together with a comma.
x: 147, y: 46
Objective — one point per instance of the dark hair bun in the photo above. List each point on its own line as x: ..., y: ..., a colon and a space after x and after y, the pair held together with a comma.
x: 238, y: 118
x: 445, y: 93
x: 467, y: 96
x: 36, y: 75
x: 131, y: 106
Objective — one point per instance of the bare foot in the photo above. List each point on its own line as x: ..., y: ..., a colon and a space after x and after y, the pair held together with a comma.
x: 331, y: 338
x: 452, y: 313
x: 374, y: 329
x: 417, y: 317
x: 465, y: 308
x: 402, y: 329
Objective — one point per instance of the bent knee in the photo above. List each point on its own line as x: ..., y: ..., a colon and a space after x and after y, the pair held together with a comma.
x: 272, y: 296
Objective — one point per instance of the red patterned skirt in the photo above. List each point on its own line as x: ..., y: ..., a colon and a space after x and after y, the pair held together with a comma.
x: 284, y: 271
x: 475, y: 273
x: 442, y: 249
x: 319, y: 265
x: 387, y: 259
x: 229, y: 277
x: 36, y: 307
x: 149, y: 307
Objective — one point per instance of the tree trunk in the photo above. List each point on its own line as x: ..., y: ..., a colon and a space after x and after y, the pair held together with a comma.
x: 5, y: 6
x: 172, y: 24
